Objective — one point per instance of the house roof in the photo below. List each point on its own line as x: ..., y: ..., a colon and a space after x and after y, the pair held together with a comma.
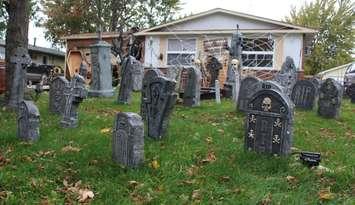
x: 286, y: 27
x: 49, y: 51
x: 91, y: 35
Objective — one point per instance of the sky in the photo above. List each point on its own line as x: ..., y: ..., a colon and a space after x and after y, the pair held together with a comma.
x: 273, y: 9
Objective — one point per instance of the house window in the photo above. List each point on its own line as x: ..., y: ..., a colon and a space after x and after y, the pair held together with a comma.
x: 181, y: 51
x: 258, y: 53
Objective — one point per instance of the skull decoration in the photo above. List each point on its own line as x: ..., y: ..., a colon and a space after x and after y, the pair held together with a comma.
x: 235, y: 63
x: 266, y: 105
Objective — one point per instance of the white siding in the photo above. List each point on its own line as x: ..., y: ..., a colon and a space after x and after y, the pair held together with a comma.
x: 152, y: 46
x: 293, y: 46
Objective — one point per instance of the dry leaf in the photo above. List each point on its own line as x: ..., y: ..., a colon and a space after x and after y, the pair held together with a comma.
x: 209, y: 140
x: 193, y: 170
x: 3, y: 161
x: 70, y: 148
x: 224, y: 178
x: 84, y: 195
x: 291, y: 179
x: 266, y: 200
x: 189, y: 182
x: 196, y: 194
x: 105, y: 130
x: 155, y: 164
x: 325, y: 194
x: 211, y: 157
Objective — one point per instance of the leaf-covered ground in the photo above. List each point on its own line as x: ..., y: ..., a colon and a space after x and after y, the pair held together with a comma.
x: 201, y: 160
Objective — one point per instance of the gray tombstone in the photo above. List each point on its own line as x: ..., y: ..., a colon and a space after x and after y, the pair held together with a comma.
x: 287, y: 76
x: 101, y: 83
x: 74, y: 94
x: 269, y: 122
x: 126, y: 85
x: 174, y: 73
x: 21, y: 59
x: 28, y: 121
x: 192, y: 91
x: 217, y: 91
x: 56, y: 95
x: 351, y: 92
x: 247, y: 89
x: 83, y: 71
x: 304, y: 94
x: 158, y: 100
x: 317, y: 82
x: 138, y: 73
x: 128, y: 139
x: 330, y: 96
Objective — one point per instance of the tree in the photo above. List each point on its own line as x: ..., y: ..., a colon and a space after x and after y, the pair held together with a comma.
x: 112, y: 15
x: 333, y: 44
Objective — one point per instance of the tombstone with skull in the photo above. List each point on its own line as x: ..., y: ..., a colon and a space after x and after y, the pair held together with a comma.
x: 269, y: 121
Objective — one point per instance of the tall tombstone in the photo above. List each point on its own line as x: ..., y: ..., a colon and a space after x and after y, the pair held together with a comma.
x: 174, y: 73
x: 304, y: 94
x: 28, y: 121
x: 317, y: 82
x: 74, y: 94
x: 101, y: 84
x: 217, y: 92
x: 330, y: 96
x: 83, y: 70
x: 138, y: 73
x: 56, y: 94
x: 21, y: 59
x: 351, y: 91
x: 128, y: 139
x: 158, y: 100
x: 247, y: 89
x: 126, y: 85
x: 269, y: 122
x: 287, y: 76
x: 192, y: 91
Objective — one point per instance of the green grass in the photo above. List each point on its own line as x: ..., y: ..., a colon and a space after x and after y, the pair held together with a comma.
x: 33, y: 175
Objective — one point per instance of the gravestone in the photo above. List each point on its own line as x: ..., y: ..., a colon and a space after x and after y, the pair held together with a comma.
x: 304, y: 94
x: 192, y: 91
x: 158, y: 100
x: 138, y: 73
x: 28, y: 121
x: 56, y: 95
x: 74, y: 94
x: 330, y: 96
x: 351, y: 91
x: 126, y: 85
x: 217, y: 92
x: 174, y: 73
x: 128, y: 139
x: 269, y: 122
x: 317, y: 82
x: 287, y: 76
x: 213, y: 66
x: 83, y: 71
x: 101, y: 83
x: 21, y: 59
x: 247, y: 89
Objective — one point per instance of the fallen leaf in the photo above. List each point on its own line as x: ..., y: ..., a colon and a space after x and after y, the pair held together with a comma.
x: 4, y: 161
x: 266, y: 200
x: 85, y: 195
x: 211, y: 157
x: 209, y: 140
x: 193, y: 170
x: 105, y: 130
x: 224, y: 178
x: 325, y: 194
x: 291, y: 179
x: 70, y: 148
x: 189, y: 182
x: 196, y: 194
x: 155, y: 164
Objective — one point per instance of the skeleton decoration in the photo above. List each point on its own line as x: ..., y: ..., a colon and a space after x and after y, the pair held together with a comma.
x: 28, y: 121
x: 269, y: 121
x: 330, y: 97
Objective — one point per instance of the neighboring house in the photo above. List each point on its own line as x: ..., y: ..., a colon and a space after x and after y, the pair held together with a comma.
x: 266, y: 42
x: 40, y: 55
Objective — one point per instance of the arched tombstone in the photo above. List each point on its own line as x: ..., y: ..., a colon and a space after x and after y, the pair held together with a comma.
x: 304, y: 94
x: 287, y: 76
x: 317, y: 82
x: 128, y: 139
x: 158, y: 100
x: 351, y: 92
x: 138, y: 73
x: 126, y: 84
x: 330, y: 96
x: 192, y: 91
x: 56, y: 95
x: 28, y: 121
x: 269, y: 122
x: 247, y: 89
x: 175, y: 73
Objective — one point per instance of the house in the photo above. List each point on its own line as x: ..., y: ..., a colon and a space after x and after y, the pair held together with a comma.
x: 40, y: 55
x: 266, y: 42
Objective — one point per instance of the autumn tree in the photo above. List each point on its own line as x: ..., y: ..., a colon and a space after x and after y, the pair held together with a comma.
x: 333, y: 44
x: 65, y: 17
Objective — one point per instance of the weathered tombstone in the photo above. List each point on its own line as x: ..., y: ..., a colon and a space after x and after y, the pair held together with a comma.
x: 174, y: 73
x: 247, y: 89
x: 138, y: 73
x: 126, y: 85
x: 21, y: 59
x: 217, y: 92
x: 74, y: 94
x: 128, y: 139
x: 304, y: 94
x: 317, y: 82
x: 269, y: 122
x: 56, y: 94
x: 351, y: 91
x: 192, y: 91
x: 158, y: 100
x: 83, y: 71
x: 101, y: 84
x: 287, y: 76
x: 330, y: 96
x: 28, y: 121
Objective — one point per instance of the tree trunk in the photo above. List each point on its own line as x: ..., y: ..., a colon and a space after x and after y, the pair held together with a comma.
x: 16, y: 37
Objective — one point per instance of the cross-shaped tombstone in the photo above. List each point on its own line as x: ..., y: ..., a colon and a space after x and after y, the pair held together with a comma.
x: 74, y: 94
x: 21, y: 59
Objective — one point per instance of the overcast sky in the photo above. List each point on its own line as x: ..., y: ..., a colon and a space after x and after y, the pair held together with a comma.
x: 274, y: 9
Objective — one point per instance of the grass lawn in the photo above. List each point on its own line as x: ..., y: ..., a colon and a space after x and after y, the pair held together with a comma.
x: 201, y: 160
